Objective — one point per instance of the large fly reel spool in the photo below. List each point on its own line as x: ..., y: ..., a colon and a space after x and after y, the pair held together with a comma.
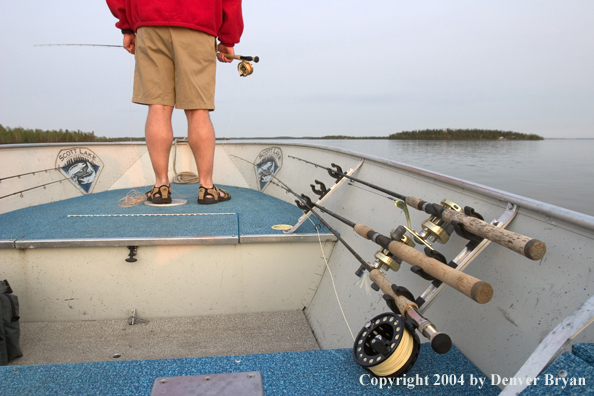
x: 385, y: 347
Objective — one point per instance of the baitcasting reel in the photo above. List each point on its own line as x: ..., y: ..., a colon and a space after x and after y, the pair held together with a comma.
x: 434, y: 228
x: 386, y: 347
x: 384, y: 259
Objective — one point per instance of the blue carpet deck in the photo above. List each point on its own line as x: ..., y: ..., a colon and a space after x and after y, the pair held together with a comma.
x: 567, y: 367
x: 329, y: 372
x: 249, y: 212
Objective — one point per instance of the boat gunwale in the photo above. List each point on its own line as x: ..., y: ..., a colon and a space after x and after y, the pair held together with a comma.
x: 576, y: 218
x: 163, y: 241
x: 567, y: 215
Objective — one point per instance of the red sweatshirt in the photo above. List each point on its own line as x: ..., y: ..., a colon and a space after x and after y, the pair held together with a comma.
x: 219, y: 18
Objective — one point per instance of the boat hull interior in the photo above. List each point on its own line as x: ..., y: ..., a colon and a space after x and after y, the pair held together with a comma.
x: 220, y: 281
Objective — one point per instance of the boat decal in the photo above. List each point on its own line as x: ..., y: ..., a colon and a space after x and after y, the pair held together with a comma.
x: 268, y: 163
x: 81, y: 166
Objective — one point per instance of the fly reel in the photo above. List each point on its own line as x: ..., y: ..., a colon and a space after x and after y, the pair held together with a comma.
x: 385, y: 347
x: 436, y: 229
x: 245, y: 68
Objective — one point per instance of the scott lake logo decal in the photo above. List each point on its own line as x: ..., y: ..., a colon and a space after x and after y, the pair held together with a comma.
x: 268, y: 163
x: 81, y: 166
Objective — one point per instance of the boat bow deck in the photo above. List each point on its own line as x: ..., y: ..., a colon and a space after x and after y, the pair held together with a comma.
x: 98, y: 220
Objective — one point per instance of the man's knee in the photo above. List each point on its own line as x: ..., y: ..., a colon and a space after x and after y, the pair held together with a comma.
x: 160, y: 110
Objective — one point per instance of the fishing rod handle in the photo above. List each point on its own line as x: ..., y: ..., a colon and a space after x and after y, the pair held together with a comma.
x: 241, y: 57
x: 440, y: 342
x: 476, y: 289
x: 526, y: 246
x: 403, y: 303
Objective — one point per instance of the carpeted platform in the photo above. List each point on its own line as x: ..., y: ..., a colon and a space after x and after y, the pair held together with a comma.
x: 329, y: 372
x: 216, y: 335
x: 99, y: 216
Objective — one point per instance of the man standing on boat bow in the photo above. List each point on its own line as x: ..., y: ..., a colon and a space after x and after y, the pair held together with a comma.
x: 175, y: 46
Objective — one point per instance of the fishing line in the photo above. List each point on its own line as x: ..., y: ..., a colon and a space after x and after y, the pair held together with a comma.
x: 234, y: 106
x: 182, y: 177
x: 396, y: 360
x: 332, y: 279
x: 370, y: 191
x: 323, y: 255
x: 130, y: 95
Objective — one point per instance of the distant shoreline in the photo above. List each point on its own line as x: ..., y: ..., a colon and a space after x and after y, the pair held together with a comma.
x: 21, y: 135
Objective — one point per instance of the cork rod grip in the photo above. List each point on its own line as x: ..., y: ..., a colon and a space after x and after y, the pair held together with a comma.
x: 476, y: 289
x: 242, y: 57
x: 526, y: 246
x: 403, y: 303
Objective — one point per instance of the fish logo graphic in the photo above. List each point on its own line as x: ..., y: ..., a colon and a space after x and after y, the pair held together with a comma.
x: 268, y: 163
x: 81, y: 166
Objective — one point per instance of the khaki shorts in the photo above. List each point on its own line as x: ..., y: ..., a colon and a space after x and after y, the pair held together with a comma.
x: 175, y: 66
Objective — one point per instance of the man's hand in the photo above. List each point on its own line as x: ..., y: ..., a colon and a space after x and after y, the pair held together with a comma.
x: 130, y: 42
x: 224, y: 50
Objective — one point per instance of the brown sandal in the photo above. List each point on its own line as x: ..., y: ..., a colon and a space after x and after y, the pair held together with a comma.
x: 159, y: 195
x: 207, y: 196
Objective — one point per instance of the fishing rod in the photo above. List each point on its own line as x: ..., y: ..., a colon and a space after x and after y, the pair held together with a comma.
x: 476, y: 289
x: 526, y: 246
x: 78, y: 45
x: 440, y: 342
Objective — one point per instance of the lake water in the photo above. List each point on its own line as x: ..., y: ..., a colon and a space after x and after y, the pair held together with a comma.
x: 555, y: 171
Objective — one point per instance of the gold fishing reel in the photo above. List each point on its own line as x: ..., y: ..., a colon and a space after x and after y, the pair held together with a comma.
x: 244, y: 68
x: 384, y: 259
x: 434, y: 228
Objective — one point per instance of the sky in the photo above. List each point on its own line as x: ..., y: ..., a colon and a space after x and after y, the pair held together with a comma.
x: 356, y: 68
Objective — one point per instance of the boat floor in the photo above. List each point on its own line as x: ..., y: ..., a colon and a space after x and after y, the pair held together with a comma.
x: 99, y: 220
x: 217, y: 335
x: 306, y: 373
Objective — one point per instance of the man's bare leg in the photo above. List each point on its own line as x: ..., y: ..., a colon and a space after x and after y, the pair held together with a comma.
x: 201, y: 137
x: 159, y: 137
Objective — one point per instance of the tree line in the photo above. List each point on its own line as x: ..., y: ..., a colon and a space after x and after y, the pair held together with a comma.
x: 22, y: 135
x: 463, y: 134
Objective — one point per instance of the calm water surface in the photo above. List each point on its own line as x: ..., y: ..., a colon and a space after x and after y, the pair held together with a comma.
x: 556, y: 171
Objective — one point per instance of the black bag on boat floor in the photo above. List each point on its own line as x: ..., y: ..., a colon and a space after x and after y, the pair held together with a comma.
x: 10, y: 330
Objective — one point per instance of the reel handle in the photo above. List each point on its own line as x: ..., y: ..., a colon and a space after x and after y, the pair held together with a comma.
x: 241, y: 57
x: 476, y: 289
x: 526, y: 246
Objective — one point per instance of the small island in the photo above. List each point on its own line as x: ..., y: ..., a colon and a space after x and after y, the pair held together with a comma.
x: 463, y: 134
